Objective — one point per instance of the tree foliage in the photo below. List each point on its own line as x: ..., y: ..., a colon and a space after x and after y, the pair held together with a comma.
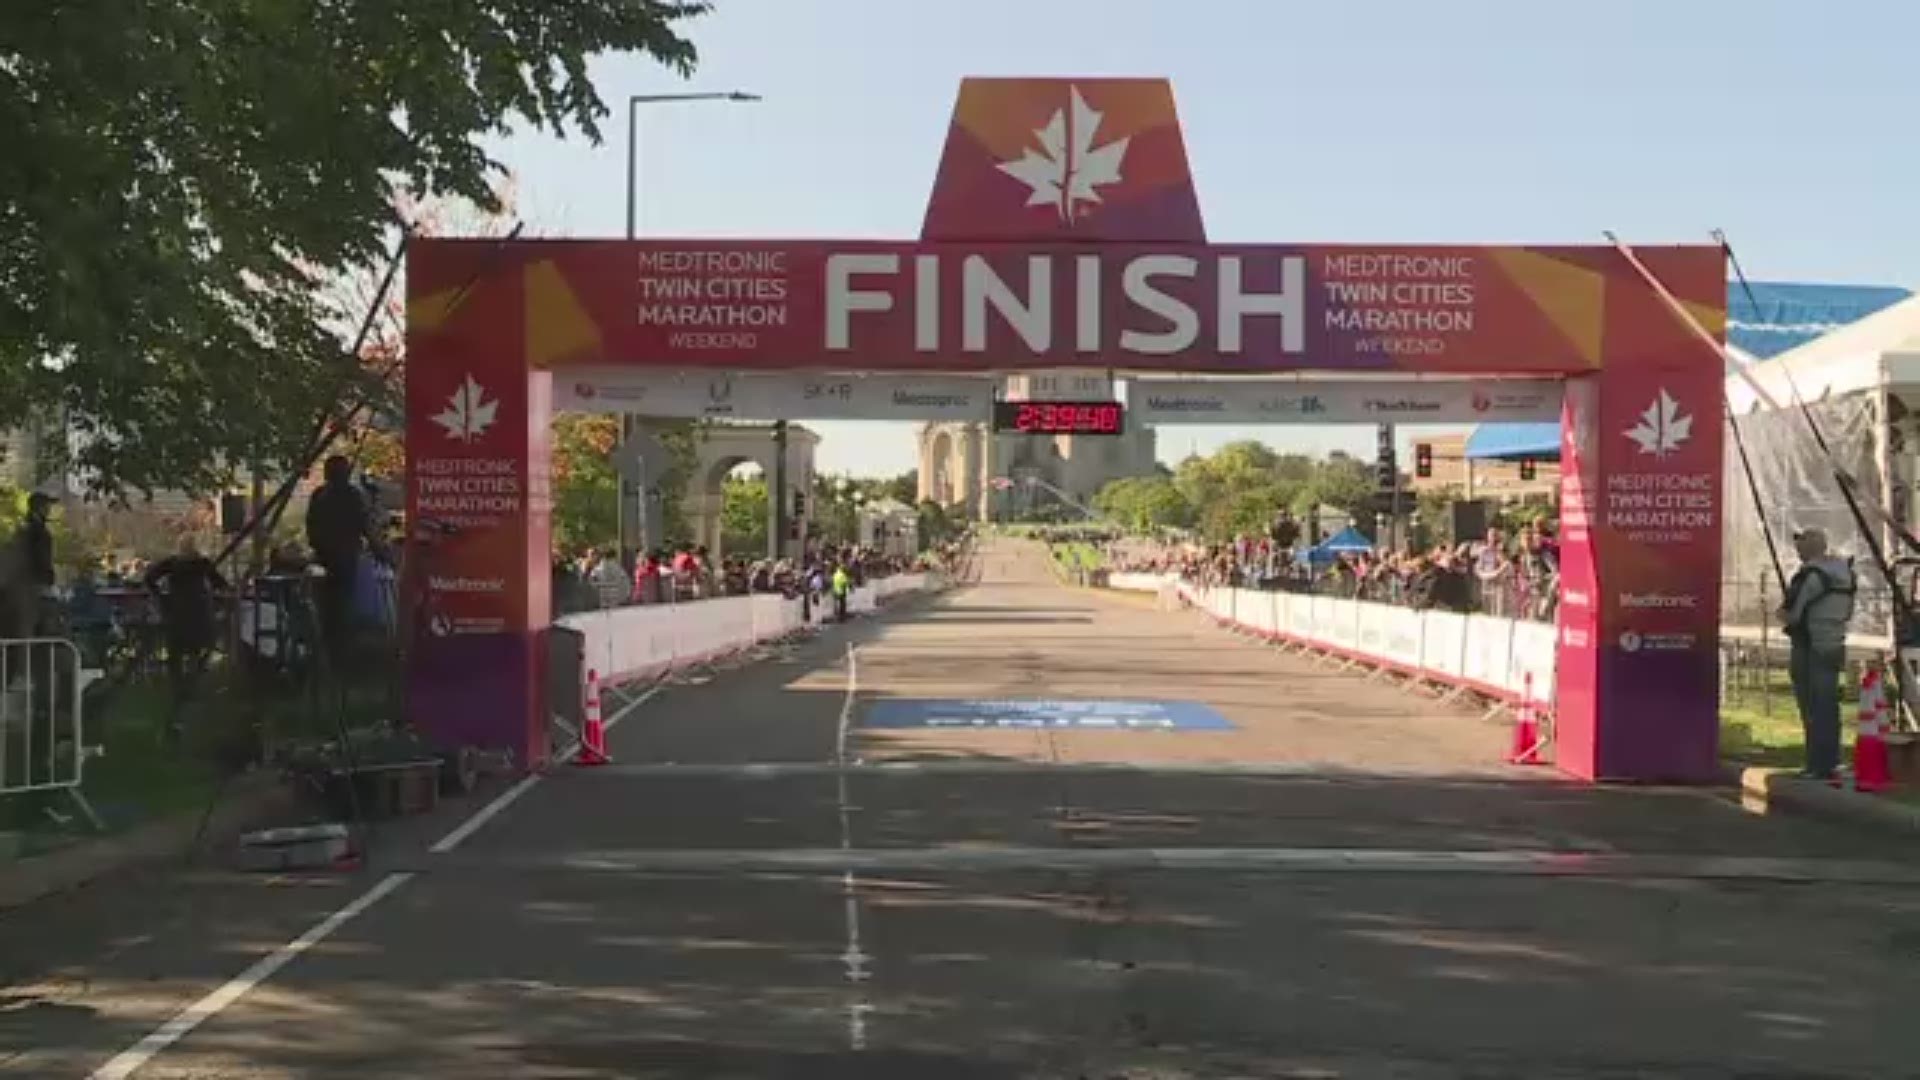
x: 585, y: 485
x: 181, y: 179
x: 743, y: 516
x: 1237, y: 489
x: 1145, y: 503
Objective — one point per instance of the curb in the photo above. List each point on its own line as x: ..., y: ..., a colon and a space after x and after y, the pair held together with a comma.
x: 1776, y: 791
x: 248, y: 802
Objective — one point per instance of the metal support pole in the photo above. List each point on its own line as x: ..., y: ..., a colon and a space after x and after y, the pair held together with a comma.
x: 777, y: 492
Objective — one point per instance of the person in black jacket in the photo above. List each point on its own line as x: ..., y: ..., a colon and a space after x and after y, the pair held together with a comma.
x: 185, y: 584
x: 337, y: 527
x: 36, y: 537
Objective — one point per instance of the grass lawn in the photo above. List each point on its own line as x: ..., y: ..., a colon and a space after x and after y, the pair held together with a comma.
x: 1078, y: 556
x: 1760, y: 725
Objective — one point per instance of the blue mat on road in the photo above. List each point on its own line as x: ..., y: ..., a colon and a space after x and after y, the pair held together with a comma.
x: 1015, y: 713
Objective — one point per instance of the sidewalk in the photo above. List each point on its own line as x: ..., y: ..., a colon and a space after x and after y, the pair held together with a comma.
x: 1781, y: 791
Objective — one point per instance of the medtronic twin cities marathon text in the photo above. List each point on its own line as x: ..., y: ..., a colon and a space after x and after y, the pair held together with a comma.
x: 1409, y: 295
x: 469, y: 491
x: 713, y: 299
x: 1660, y: 507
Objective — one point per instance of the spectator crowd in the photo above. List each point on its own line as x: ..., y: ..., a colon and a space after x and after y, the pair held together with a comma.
x: 1510, y: 575
x: 595, y: 578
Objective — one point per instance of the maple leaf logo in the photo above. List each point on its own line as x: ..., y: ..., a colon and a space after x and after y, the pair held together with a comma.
x: 1662, y: 428
x: 468, y: 413
x: 1067, y: 168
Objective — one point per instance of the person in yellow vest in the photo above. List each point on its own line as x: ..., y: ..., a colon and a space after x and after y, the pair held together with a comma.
x: 842, y: 586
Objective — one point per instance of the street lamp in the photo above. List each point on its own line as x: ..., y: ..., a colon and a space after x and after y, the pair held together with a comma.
x: 634, y: 101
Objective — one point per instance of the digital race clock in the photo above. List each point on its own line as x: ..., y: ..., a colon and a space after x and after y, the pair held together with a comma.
x: 1060, y: 417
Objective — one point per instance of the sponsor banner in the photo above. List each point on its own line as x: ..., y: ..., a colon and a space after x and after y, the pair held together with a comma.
x: 1489, y: 649
x: 1404, y: 632
x: 1135, y: 306
x: 1342, y: 627
x: 1443, y: 643
x: 1371, y: 622
x: 1410, y: 401
x: 1534, y: 645
x: 1657, y: 523
x: 773, y: 396
x: 1301, y: 622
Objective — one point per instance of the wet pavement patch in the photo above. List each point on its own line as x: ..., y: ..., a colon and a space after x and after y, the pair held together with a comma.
x: 1043, y: 713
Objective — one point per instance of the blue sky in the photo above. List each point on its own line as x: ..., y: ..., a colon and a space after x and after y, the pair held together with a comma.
x: 1790, y: 125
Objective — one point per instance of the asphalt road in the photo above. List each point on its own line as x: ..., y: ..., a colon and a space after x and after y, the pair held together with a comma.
x: 1345, y: 883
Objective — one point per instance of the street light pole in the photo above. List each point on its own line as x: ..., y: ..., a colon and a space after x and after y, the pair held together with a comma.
x: 627, y: 420
x: 634, y: 101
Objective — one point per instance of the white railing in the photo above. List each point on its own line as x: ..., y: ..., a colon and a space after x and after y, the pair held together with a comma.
x: 42, y: 740
x: 1491, y: 656
x: 632, y: 643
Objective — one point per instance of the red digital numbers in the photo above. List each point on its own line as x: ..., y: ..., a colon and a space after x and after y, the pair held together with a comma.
x: 1064, y: 418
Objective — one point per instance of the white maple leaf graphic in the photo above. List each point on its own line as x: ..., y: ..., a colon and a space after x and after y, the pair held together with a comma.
x: 1662, y: 428
x: 468, y: 413
x: 1068, y: 169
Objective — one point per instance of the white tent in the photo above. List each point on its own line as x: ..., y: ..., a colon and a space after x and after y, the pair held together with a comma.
x: 1862, y: 385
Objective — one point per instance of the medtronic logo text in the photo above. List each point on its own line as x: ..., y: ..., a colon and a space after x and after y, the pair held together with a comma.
x: 467, y: 585
x: 1185, y: 404
x: 910, y: 399
x: 1659, y: 600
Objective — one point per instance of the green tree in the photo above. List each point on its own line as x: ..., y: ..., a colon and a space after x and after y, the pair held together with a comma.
x: 1248, y: 510
x: 1341, y: 481
x: 743, y: 515
x: 584, y: 484
x: 1145, y: 503
x: 936, y: 525
x: 904, y: 488
x: 182, y: 178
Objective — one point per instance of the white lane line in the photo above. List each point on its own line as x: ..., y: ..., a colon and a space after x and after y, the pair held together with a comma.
x: 846, y: 706
x: 485, y: 814
x: 127, y: 1062
x: 130, y: 1060
x: 526, y: 783
x: 855, y: 957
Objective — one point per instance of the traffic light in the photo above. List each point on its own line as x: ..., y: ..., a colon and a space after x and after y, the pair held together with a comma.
x: 1527, y: 470
x: 1386, y: 466
x: 799, y: 504
x: 1423, y: 460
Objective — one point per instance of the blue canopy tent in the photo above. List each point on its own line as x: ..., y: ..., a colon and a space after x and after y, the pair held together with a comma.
x: 1514, y: 442
x: 1347, y: 541
x: 1777, y: 318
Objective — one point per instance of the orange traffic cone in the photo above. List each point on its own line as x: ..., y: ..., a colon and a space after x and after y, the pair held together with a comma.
x: 1527, y: 740
x: 1871, y: 770
x: 593, y: 733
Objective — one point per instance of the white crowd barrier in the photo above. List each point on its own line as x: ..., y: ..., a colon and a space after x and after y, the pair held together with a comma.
x: 42, y: 740
x: 1481, y: 653
x: 630, y: 643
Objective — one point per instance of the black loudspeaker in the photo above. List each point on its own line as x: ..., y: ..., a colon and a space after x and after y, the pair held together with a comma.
x: 1469, y: 521
x: 233, y: 513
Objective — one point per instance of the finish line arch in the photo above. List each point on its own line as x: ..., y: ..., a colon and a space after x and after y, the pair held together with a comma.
x: 1022, y: 265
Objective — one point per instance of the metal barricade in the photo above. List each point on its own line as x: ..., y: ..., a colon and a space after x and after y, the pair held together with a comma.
x: 566, y: 676
x: 42, y: 741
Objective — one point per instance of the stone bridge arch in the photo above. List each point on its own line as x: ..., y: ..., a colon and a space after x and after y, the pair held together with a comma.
x: 718, y: 450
